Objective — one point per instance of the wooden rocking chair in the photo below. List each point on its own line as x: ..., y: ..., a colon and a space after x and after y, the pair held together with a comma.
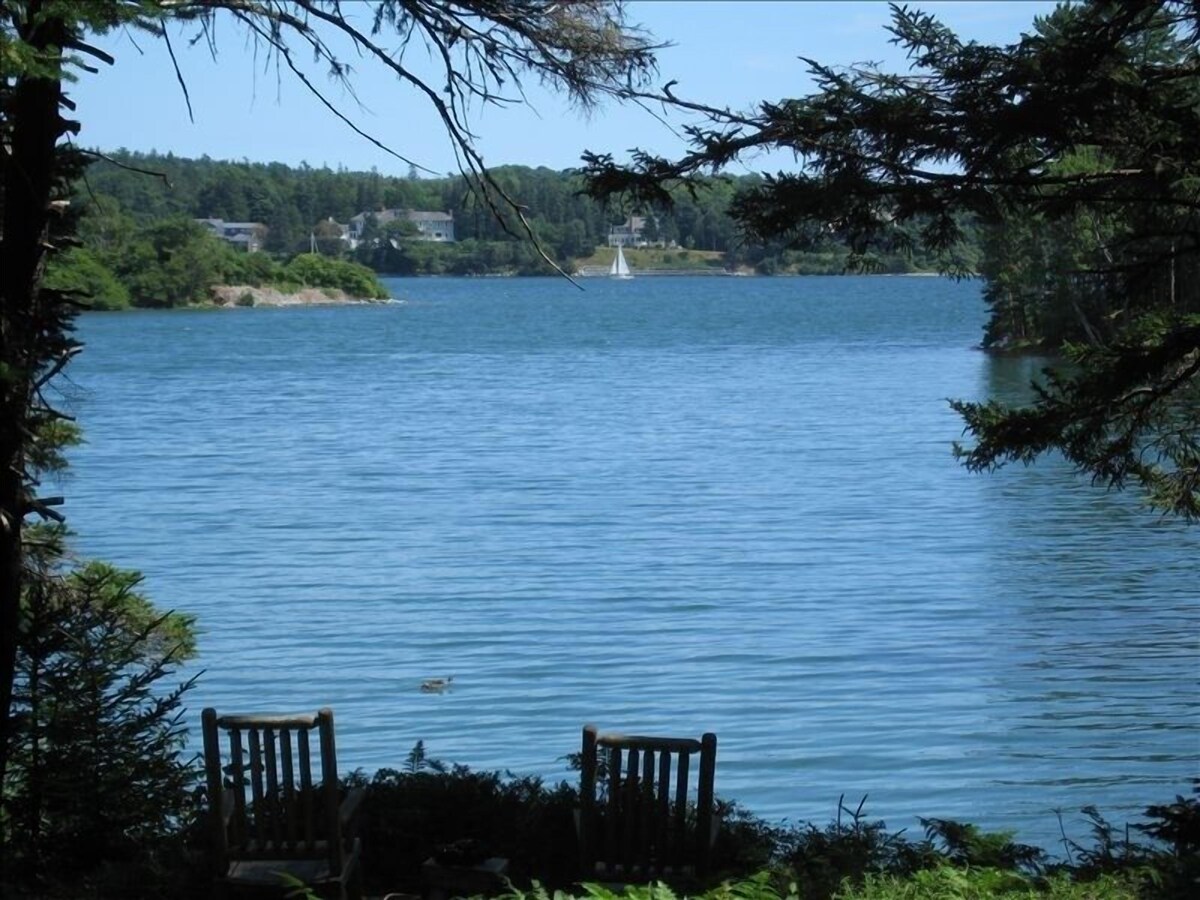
x: 272, y: 823
x: 635, y: 822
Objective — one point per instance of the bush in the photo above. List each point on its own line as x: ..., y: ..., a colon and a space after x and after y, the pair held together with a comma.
x: 96, y: 792
x: 81, y: 271
x: 948, y: 882
x: 408, y: 815
x: 431, y: 809
x: 314, y: 270
x: 942, y: 883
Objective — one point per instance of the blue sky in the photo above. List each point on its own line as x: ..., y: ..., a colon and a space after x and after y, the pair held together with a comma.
x: 725, y: 53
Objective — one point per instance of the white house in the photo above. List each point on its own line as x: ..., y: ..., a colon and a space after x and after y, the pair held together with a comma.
x: 628, y: 233
x: 434, y: 226
x: 431, y: 226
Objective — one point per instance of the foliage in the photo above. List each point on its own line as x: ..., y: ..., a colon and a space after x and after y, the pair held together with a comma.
x: 97, y: 789
x: 176, y: 262
x: 941, y: 883
x: 569, y: 225
x: 170, y: 263
x: 1074, y: 148
x: 81, y: 272
x: 967, y: 845
x: 954, y: 883
x: 847, y: 850
x: 409, y: 816
x: 758, y: 887
x: 314, y: 270
x: 1168, y: 866
x: 431, y: 809
x: 1127, y: 412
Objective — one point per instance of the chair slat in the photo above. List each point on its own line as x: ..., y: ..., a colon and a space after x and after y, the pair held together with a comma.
x: 256, y: 783
x: 288, y: 776
x: 662, y: 813
x: 681, y: 787
x: 240, y: 830
x: 629, y: 817
x: 274, y: 799
x: 646, y: 806
x: 306, y: 788
x: 612, y: 850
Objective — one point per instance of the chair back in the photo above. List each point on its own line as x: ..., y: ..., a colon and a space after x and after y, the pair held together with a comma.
x: 636, y: 823
x: 272, y: 787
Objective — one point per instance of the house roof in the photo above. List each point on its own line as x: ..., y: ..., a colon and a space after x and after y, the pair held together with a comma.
x: 422, y: 215
x: 387, y: 215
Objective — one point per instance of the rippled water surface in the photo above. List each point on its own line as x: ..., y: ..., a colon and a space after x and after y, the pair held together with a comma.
x: 669, y: 505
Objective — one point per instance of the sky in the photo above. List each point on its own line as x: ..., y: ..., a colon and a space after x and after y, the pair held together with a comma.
x: 731, y: 53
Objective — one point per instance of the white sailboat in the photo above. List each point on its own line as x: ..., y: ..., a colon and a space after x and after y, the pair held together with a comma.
x: 620, y: 268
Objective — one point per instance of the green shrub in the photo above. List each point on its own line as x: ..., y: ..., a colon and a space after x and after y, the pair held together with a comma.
x: 429, y: 809
x: 942, y: 883
x: 82, y: 272
x: 408, y: 815
x: 758, y: 887
x: 314, y: 270
x: 97, y: 791
x: 948, y: 882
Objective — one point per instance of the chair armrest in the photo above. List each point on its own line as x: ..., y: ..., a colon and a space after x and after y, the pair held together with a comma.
x: 349, y: 808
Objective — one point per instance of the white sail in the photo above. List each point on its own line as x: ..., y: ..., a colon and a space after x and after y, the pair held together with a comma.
x: 620, y: 268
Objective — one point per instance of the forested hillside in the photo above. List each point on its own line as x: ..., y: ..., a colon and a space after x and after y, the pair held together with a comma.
x: 295, y: 205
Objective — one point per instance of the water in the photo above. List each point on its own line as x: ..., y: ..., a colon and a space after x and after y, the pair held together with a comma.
x: 664, y: 505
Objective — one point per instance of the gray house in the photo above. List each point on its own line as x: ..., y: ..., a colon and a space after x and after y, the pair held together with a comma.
x: 628, y: 233
x: 431, y: 226
x: 246, y: 236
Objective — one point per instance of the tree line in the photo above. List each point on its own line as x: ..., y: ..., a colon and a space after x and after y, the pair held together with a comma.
x: 299, y: 206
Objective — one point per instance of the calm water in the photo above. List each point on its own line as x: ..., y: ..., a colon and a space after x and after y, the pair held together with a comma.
x: 660, y: 505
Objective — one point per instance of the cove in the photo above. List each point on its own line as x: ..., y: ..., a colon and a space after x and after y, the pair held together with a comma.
x: 660, y: 505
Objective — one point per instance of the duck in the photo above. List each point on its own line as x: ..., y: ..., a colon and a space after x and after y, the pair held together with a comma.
x: 436, y: 685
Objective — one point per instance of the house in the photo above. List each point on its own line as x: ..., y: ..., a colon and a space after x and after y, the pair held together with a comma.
x: 628, y: 233
x: 246, y: 236
x: 431, y: 226
x: 434, y: 226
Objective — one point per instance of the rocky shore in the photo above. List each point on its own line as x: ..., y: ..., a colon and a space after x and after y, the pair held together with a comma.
x: 246, y: 295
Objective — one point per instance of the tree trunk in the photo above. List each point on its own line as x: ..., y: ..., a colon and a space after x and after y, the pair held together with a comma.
x: 31, y: 126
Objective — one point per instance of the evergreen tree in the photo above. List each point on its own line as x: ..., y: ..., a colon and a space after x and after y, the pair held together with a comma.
x: 1081, y: 135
